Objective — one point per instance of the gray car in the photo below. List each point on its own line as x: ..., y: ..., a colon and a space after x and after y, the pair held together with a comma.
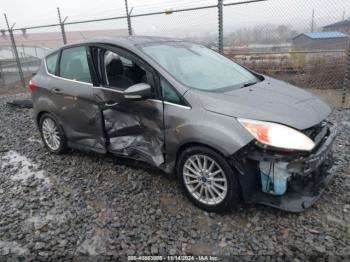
x: 228, y: 133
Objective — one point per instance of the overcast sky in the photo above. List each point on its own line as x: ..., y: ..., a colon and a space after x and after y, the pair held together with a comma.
x: 296, y: 13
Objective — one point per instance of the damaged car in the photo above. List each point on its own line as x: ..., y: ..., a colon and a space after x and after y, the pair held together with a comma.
x: 228, y: 133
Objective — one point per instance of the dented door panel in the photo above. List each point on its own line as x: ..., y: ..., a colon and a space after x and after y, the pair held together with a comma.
x: 135, y: 129
x: 132, y: 128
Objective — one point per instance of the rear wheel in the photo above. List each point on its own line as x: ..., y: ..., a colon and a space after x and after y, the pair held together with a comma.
x: 207, y: 179
x: 52, y: 134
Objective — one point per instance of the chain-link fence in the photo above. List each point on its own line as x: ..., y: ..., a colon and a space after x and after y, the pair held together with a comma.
x: 30, y: 51
x: 297, y: 41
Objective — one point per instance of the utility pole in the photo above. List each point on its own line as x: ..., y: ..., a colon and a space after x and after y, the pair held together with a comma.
x: 128, y: 17
x: 220, y: 27
x: 343, y: 15
x: 63, y: 32
x: 312, y: 20
x: 15, y: 51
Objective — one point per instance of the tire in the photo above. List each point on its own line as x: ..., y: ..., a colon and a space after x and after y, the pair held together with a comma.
x: 58, y: 146
x: 217, y: 200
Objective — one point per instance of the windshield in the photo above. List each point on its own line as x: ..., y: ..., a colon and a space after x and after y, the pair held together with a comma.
x: 199, y: 67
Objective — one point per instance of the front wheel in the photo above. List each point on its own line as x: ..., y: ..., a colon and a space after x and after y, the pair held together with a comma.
x: 207, y: 179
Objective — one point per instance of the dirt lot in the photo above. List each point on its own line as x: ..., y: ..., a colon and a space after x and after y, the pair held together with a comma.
x: 80, y: 204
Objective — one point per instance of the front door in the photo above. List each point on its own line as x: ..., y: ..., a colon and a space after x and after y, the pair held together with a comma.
x: 132, y: 128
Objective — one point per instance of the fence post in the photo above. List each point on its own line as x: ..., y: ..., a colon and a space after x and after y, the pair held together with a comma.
x: 62, y: 25
x: 2, y: 78
x: 346, y: 76
x: 128, y: 17
x: 220, y: 27
x: 15, y: 51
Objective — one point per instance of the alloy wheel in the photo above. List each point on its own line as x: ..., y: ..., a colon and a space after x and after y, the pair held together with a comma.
x: 205, y: 179
x: 51, y: 134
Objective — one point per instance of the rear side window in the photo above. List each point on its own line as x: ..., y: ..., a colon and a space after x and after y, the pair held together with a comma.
x: 74, y: 64
x: 51, y: 62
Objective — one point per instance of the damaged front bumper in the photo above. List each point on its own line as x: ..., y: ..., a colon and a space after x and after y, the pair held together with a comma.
x: 288, y: 181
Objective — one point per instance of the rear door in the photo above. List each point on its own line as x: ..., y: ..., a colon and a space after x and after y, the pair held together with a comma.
x: 133, y: 128
x: 71, y: 92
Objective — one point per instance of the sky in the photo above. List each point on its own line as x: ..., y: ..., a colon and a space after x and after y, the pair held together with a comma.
x: 296, y: 13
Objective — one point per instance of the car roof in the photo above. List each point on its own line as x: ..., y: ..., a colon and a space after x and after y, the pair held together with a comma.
x: 130, y: 42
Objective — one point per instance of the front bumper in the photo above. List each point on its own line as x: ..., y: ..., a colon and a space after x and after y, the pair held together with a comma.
x: 310, y: 177
x: 297, y: 201
x: 310, y: 180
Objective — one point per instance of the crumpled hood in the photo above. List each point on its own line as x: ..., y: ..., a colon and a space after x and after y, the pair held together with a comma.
x: 270, y: 100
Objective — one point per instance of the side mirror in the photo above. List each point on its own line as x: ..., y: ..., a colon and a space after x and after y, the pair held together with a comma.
x: 137, y: 92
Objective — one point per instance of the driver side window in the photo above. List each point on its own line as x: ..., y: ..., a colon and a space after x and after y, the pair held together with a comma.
x: 120, y: 72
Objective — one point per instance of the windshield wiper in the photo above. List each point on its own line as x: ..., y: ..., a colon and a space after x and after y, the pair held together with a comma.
x: 249, y: 84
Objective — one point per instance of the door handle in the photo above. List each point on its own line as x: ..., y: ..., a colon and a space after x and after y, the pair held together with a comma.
x: 110, y: 104
x: 56, y: 91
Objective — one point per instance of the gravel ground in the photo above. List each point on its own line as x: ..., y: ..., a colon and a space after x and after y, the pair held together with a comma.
x: 12, y: 88
x: 79, y: 204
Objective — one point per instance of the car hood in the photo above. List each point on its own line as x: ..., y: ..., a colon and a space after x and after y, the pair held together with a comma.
x: 269, y: 100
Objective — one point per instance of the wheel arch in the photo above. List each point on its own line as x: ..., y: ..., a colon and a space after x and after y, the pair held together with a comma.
x: 189, y: 144
x: 225, y: 164
x: 43, y: 112
x: 186, y: 145
x: 39, y: 115
x: 62, y: 147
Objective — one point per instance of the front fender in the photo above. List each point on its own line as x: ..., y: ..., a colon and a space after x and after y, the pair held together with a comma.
x: 220, y: 132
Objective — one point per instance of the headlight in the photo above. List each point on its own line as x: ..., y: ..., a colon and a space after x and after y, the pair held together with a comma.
x: 277, y: 135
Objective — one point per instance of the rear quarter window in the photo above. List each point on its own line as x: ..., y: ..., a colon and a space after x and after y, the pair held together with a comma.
x: 51, y: 62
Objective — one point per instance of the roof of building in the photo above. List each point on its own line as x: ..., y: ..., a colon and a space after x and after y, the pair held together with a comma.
x: 323, y: 35
x: 339, y: 23
x: 72, y: 36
